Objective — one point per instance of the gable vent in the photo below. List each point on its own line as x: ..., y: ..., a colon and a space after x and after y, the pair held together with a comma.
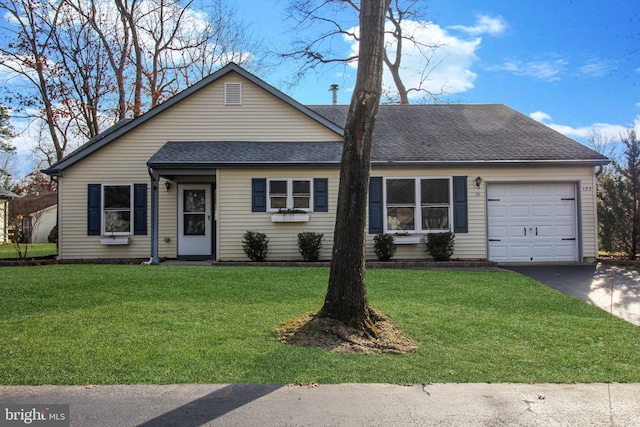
x: 233, y: 94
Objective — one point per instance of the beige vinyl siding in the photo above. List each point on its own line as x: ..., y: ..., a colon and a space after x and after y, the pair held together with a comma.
x: 262, y: 117
x: 473, y: 245
x: 200, y: 117
x: 235, y: 216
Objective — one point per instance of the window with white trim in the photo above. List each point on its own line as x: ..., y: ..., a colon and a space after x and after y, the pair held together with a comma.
x: 117, y: 208
x: 418, y: 204
x: 289, y: 194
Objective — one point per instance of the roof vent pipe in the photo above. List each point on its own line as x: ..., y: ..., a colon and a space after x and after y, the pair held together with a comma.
x: 334, y: 90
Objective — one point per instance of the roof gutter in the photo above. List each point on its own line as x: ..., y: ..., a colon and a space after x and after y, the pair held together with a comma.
x: 440, y: 163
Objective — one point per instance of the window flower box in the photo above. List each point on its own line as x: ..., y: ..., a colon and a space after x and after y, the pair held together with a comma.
x: 409, y: 239
x: 290, y: 217
x: 115, y: 240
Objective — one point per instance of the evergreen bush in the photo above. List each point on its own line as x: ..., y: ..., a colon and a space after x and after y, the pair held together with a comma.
x: 309, y: 244
x: 440, y: 245
x: 255, y: 245
x: 384, y: 247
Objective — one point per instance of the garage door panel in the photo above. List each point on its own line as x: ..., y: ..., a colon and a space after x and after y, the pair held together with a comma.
x: 564, y: 191
x: 532, y: 222
x: 564, y: 232
x: 542, y: 211
x: 520, y: 250
x: 497, y: 212
x: 501, y: 251
x: 517, y: 232
x: 566, y: 211
x: 565, y: 250
x: 540, y: 190
x: 517, y: 192
x: 519, y: 212
x: 542, y: 253
x: 499, y: 232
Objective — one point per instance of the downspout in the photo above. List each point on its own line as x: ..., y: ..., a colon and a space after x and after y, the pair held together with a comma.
x: 57, y: 216
x: 154, y: 218
x: 599, y: 171
x: 5, y: 236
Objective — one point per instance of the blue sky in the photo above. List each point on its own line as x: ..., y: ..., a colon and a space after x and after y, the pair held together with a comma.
x: 573, y: 65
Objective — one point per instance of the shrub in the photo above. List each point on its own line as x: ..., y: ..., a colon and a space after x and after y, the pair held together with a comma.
x: 53, y: 235
x: 384, y: 247
x: 309, y: 244
x: 440, y: 245
x: 255, y: 245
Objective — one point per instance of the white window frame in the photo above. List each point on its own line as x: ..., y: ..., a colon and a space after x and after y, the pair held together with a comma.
x: 417, y: 205
x: 289, y: 195
x: 102, y: 211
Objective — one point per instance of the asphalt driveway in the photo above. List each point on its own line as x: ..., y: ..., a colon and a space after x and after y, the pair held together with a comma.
x: 592, y: 283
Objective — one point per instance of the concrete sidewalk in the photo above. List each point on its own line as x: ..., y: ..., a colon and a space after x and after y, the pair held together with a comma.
x: 340, y: 405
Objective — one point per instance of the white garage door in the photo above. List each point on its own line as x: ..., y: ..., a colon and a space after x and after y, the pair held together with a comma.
x: 533, y: 222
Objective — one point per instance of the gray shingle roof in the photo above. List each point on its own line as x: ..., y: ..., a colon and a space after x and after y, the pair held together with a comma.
x: 6, y: 194
x: 32, y: 203
x: 405, y: 134
x: 194, y: 154
x: 419, y: 134
x: 463, y: 133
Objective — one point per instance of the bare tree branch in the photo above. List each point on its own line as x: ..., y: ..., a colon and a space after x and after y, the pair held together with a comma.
x: 328, y: 21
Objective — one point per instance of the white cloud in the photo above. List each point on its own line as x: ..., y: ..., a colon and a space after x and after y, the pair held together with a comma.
x: 544, y: 70
x: 447, y: 67
x: 598, y: 68
x: 612, y: 131
x: 484, y: 25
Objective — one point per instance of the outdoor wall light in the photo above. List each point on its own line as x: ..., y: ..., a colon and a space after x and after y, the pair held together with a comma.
x: 167, y: 185
x: 478, y: 182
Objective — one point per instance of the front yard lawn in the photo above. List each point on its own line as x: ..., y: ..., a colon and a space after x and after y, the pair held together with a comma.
x: 120, y: 324
x: 37, y: 250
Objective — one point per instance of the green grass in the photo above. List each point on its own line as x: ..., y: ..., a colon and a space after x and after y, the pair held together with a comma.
x: 105, y: 324
x: 9, y: 251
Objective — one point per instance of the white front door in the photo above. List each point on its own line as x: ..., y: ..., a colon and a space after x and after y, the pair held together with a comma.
x: 532, y: 222
x: 194, y: 220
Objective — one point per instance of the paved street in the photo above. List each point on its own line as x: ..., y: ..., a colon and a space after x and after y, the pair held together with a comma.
x: 341, y: 405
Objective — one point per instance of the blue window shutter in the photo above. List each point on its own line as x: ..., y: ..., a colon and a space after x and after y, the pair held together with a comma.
x: 460, y: 216
x: 321, y: 195
x: 376, y: 205
x: 140, y: 209
x: 94, y: 201
x: 259, y: 195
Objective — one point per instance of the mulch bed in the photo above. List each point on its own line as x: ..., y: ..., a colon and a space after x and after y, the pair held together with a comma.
x: 332, y: 335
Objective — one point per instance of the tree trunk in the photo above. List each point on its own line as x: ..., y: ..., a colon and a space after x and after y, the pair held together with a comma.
x: 346, y: 298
